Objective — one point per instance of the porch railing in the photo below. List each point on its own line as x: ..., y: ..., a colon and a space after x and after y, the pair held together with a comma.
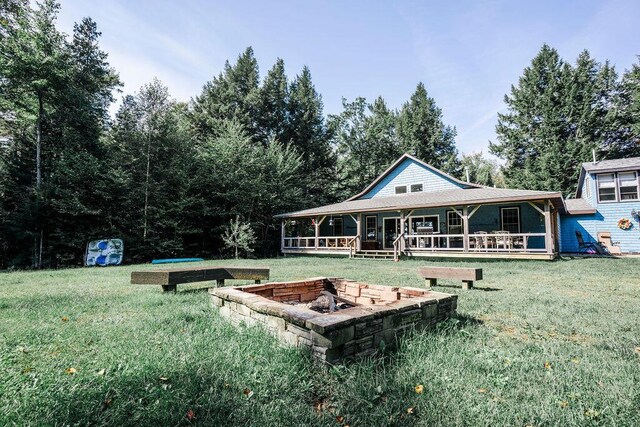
x: 324, y: 242
x: 481, y: 242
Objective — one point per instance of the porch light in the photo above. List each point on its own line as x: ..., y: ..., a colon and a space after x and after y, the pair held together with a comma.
x: 331, y: 221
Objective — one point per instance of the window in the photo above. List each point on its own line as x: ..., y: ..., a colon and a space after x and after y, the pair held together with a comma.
x: 510, y: 218
x: 587, y: 187
x: 337, y: 227
x: 401, y: 189
x: 606, y: 187
x: 416, y: 188
x: 424, y: 224
x: 628, y: 182
x: 371, y: 228
x: 454, y: 223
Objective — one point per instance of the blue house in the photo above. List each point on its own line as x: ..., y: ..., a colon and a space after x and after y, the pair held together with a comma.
x: 608, y: 191
x: 414, y: 209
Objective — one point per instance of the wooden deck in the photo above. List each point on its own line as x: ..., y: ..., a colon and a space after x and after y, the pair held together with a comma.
x: 434, y: 254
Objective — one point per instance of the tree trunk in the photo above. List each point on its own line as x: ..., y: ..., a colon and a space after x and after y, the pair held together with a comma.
x: 39, y: 231
x: 146, y: 189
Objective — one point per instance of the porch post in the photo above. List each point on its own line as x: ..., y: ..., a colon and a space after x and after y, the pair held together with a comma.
x: 317, y: 231
x: 465, y: 228
x: 359, y: 226
x: 402, y: 221
x: 282, y: 237
x: 548, y: 229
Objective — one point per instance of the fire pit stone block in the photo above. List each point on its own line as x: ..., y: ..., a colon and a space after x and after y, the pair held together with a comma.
x: 369, y: 315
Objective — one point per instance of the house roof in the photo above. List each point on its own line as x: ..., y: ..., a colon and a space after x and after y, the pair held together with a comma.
x: 614, y: 165
x: 415, y: 159
x: 456, y: 197
x: 578, y: 207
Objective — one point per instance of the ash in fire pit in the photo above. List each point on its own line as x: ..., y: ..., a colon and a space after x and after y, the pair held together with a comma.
x: 334, y: 318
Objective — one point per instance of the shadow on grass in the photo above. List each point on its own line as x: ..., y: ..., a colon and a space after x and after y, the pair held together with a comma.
x: 474, y: 288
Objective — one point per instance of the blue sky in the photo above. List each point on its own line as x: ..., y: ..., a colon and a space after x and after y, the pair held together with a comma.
x: 467, y: 53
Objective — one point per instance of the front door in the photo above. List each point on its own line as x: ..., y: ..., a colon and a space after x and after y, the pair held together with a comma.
x: 391, y: 231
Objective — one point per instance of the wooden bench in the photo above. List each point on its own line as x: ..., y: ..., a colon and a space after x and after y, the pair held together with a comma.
x: 170, y: 278
x: 467, y: 275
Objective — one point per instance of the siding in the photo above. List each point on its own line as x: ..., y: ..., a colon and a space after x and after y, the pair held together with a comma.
x: 410, y: 172
x: 590, y: 181
x: 605, y: 219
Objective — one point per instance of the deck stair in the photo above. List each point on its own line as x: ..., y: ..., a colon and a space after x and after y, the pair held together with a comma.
x: 379, y: 254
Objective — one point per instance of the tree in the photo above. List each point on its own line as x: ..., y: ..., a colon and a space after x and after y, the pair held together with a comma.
x: 423, y: 134
x: 556, y: 116
x: 625, y: 115
x: 481, y: 170
x: 238, y: 236
x: 273, y: 119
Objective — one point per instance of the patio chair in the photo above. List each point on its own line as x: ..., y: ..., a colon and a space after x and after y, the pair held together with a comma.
x: 503, y: 239
x: 589, y: 247
x: 604, y: 238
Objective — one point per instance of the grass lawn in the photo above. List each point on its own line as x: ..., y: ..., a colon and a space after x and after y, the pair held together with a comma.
x: 538, y: 343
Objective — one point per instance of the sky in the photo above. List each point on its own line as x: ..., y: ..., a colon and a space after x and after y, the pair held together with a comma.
x: 467, y: 53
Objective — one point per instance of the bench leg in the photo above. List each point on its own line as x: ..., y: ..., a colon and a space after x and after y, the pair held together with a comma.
x: 257, y: 282
x: 430, y: 282
x: 220, y: 282
x: 467, y: 284
x: 169, y: 288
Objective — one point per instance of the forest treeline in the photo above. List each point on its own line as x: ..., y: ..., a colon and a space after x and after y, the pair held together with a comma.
x: 168, y: 177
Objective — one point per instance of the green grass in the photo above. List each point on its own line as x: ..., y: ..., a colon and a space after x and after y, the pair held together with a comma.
x: 164, y: 354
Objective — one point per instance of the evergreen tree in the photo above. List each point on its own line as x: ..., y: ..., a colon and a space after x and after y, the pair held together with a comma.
x: 423, y: 134
x: 625, y: 116
x: 557, y: 115
x: 481, y: 170
x: 273, y: 119
x: 308, y: 134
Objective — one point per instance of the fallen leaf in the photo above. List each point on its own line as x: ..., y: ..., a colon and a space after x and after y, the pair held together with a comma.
x: 226, y: 385
x: 164, y: 379
x: 637, y: 350
x: 419, y: 388
x: 70, y: 371
x: 107, y: 402
x: 65, y: 319
x: 22, y: 349
x: 547, y: 365
x: 564, y: 404
x: 247, y: 392
x: 339, y: 419
x: 410, y: 411
x: 591, y: 414
x: 482, y: 390
x: 101, y: 372
x: 190, y: 414
x: 575, y: 360
x: 27, y: 370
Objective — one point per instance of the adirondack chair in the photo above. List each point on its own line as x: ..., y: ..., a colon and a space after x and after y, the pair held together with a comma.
x: 586, y: 247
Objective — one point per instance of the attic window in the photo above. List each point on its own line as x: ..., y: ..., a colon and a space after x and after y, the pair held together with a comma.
x: 607, y: 187
x: 401, y: 189
x: 628, y: 185
x: 416, y: 188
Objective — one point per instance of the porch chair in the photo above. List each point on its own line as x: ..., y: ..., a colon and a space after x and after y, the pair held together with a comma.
x: 604, y: 238
x: 585, y: 247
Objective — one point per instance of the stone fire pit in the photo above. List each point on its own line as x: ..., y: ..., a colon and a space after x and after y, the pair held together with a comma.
x: 334, y: 318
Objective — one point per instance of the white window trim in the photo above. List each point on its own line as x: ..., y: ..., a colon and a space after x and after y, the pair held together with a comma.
x: 461, y: 222
x: 615, y: 186
x: 519, y: 217
x: 417, y: 183
x: 395, y: 190
x: 637, y: 179
x: 375, y: 228
x: 587, y: 187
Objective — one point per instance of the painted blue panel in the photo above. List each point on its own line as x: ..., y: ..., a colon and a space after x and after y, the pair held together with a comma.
x: 411, y: 172
x: 605, y: 219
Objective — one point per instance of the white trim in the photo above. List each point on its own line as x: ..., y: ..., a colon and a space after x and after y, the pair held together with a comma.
x: 395, y: 189
x: 366, y: 234
x: 384, y: 229
x: 615, y: 187
x: 519, y: 217
x: 411, y: 218
x: 421, y: 184
x: 461, y: 221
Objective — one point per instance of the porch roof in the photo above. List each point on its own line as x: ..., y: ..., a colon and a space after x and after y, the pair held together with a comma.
x: 456, y: 197
x: 579, y: 207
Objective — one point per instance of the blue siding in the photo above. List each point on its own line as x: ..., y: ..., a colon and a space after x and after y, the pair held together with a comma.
x: 605, y: 219
x: 589, y: 196
x: 410, y: 172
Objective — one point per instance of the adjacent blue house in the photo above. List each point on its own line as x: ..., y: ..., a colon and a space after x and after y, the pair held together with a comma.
x: 608, y: 192
x: 414, y: 209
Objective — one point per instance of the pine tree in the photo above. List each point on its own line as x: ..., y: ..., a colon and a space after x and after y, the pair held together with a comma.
x: 481, y: 170
x: 309, y: 136
x: 423, y: 134
x: 626, y: 115
x: 273, y: 119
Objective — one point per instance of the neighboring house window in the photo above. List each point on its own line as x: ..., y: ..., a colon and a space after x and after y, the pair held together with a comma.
x: 401, y: 189
x: 416, y: 188
x: 424, y: 224
x: 337, y: 227
x: 628, y: 185
x: 606, y: 187
x: 371, y: 228
x: 510, y: 219
x: 454, y: 223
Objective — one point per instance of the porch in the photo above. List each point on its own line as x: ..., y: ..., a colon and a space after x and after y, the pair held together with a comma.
x: 524, y: 229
